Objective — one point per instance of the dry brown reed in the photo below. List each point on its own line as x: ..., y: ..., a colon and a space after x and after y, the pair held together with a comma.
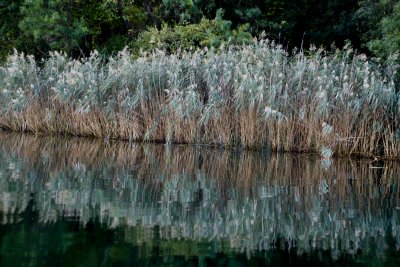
x: 250, y: 97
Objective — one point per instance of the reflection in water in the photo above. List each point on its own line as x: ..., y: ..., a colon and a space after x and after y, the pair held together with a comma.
x: 237, y: 201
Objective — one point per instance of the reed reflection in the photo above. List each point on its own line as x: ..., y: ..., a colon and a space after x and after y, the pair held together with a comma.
x: 243, y: 201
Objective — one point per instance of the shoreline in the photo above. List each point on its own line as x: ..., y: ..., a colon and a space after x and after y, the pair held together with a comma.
x: 303, y: 154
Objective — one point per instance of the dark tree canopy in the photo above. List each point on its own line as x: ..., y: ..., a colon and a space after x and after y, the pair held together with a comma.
x: 79, y: 26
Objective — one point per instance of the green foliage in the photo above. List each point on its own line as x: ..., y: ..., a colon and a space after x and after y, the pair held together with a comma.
x: 9, y: 14
x: 39, y: 26
x: 206, y: 33
x: 50, y: 25
x: 111, y: 23
x: 78, y: 27
x: 382, y: 18
x: 324, y: 22
x: 183, y: 11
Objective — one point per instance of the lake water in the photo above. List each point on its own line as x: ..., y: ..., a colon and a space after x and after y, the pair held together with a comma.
x: 81, y: 202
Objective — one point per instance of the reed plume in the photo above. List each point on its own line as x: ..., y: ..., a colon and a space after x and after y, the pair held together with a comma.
x: 254, y: 96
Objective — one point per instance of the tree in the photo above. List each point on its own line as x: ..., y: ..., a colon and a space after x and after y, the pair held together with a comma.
x: 51, y: 26
x: 9, y: 31
x: 206, y: 33
x: 113, y: 23
x: 289, y: 22
x: 380, y: 22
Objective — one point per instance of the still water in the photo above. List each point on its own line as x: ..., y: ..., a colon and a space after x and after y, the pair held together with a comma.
x: 81, y: 202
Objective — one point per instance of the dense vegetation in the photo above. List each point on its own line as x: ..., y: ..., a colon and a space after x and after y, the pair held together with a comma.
x: 206, y: 72
x: 78, y: 27
x: 254, y: 96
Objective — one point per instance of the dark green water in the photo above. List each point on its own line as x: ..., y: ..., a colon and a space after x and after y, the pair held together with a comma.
x: 79, y: 202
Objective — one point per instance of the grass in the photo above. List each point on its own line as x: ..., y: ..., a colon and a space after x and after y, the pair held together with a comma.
x: 255, y: 96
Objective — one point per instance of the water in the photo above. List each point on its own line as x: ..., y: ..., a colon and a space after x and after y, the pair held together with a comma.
x: 81, y: 202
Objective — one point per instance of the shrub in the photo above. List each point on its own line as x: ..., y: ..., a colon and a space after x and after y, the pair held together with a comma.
x: 206, y: 33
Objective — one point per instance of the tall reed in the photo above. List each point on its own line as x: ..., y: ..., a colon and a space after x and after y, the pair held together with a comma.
x: 255, y: 96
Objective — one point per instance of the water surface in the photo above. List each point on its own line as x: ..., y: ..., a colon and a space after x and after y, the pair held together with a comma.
x: 82, y: 202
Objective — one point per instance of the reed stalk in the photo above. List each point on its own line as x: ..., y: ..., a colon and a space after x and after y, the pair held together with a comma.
x: 254, y: 96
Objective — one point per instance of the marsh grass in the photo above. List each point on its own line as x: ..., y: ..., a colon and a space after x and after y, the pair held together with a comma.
x: 255, y: 96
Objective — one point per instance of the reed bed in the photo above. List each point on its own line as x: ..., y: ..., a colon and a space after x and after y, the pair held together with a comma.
x: 255, y: 96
